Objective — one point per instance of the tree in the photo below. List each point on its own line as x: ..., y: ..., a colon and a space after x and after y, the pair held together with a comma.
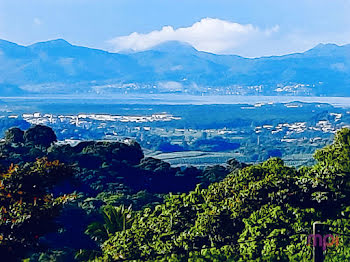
x: 27, y: 207
x: 40, y: 135
x: 14, y: 135
x: 115, y: 219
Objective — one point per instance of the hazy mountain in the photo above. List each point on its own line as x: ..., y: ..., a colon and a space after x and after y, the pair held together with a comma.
x: 59, y: 67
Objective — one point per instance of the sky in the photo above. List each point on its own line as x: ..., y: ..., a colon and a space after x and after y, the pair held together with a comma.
x: 250, y: 28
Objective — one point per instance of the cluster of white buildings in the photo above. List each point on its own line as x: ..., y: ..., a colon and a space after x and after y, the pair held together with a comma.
x: 37, y: 118
x: 299, y: 127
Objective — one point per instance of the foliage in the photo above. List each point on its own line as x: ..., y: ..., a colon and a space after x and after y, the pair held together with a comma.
x: 14, y: 135
x: 115, y: 219
x: 39, y: 135
x: 263, y: 212
x: 26, y: 201
x: 260, y: 212
x: 105, y: 173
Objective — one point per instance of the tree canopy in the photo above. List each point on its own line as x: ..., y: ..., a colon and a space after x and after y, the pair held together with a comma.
x: 40, y: 135
x: 27, y: 207
x: 263, y: 212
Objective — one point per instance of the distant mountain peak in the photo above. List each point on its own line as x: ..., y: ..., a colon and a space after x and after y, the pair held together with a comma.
x: 174, y: 46
x: 325, y: 49
x: 10, y: 49
x: 7, y: 43
x: 323, y: 45
x: 59, y: 41
x: 2, y: 41
x: 52, y: 43
x: 323, y: 70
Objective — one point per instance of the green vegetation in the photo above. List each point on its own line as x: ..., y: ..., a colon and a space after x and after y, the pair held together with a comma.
x: 111, y: 174
x: 262, y: 212
x: 246, y: 132
x: 27, y: 208
x: 133, y: 208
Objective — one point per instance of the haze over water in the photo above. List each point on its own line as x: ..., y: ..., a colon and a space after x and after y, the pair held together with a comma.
x: 179, y: 99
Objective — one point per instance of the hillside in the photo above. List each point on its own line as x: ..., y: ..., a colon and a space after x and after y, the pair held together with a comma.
x: 86, y: 206
x: 58, y: 67
x: 93, y: 173
x: 263, y: 212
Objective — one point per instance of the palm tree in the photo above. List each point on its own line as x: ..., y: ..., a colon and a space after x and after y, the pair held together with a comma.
x: 115, y: 219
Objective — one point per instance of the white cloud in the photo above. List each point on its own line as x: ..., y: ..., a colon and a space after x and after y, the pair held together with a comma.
x: 209, y: 34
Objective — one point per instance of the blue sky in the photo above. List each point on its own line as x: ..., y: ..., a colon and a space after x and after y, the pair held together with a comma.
x: 246, y: 27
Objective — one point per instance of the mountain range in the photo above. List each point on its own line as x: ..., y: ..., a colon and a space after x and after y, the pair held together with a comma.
x: 58, y: 67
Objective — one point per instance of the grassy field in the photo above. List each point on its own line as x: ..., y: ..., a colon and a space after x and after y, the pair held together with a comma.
x: 200, y: 158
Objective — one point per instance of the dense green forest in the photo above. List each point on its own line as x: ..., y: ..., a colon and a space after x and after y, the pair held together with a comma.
x: 100, y: 174
x: 103, y: 201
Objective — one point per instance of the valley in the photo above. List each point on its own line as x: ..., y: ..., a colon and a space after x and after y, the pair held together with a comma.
x: 190, y: 132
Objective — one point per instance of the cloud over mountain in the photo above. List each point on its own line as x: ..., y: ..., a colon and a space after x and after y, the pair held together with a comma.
x: 59, y: 67
x: 209, y: 34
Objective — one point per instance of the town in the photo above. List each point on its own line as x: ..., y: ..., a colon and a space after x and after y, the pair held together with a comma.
x: 250, y: 133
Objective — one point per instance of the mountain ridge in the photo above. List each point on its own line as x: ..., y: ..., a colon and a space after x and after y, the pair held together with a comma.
x: 56, y: 66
